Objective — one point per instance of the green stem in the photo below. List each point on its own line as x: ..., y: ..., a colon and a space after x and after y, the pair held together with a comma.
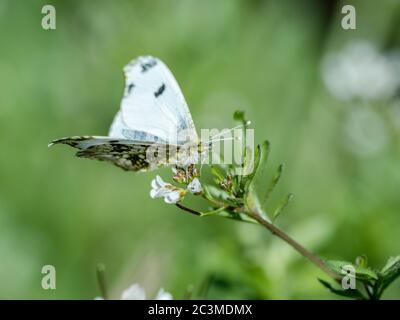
x: 255, y: 215
x: 368, y: 290
x: 213, y: 212
x: 100, y: 272
x: 180, y: 206
x: 317, y: 261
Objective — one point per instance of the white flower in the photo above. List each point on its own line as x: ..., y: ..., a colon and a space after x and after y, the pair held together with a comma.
x: 136, y: 292
x: 163, y: 295
x: 360, y: 71
x: 195, y: 186
x: 161, y: 189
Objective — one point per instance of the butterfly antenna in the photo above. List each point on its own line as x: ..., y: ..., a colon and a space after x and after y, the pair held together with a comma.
x: 210, y: 142
x: 201, y: 165
x: 230, y: 130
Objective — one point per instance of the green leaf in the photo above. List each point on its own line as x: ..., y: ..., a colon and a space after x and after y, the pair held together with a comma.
x: 390, y: 272
x: 239, y: 116
x: 366, y: 274
x: 362, y: 261
x: 274, y: 182
x: 247, y: 180
x: 236, y: 216
x: 265, y: 150
x: 217, y: 174
x: 217, y: 193
x: 348, y: 293
x: 260, y: 158
x: 282, y: 206
x: 253, y: 203
x: 361, y: 273
x: 101, y: 280
x: 221, y: 195
x: 392, y: 266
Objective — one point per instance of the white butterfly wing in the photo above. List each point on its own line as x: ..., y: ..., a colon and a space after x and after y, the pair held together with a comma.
x: 153, y: 113
x: 119, y: 130
x: 153, y: 106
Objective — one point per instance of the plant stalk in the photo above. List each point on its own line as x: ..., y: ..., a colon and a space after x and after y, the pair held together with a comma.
x: 253, y: 214
x: 317, y: 261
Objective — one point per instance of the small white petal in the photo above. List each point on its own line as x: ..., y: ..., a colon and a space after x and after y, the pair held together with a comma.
x: 172, y: 197
x: 134, y: 292
x: 162, y: 192
x: 154, y: 184
x: 153, y: 193
x: 160, y: 181
x: 195, y: 186
x: 163, y: 295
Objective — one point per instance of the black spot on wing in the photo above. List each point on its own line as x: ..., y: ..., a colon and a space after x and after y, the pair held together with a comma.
x: 148, y: 65
x: 160, y: 90
x: 130, y: 87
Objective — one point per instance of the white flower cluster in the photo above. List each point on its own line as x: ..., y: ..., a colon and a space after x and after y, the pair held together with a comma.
x: 360, y: 71
x: 171, y: 193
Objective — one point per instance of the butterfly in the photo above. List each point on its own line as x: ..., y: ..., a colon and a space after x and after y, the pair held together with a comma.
x: 153, y: 127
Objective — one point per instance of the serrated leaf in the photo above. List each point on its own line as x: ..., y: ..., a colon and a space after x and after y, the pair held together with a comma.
x: 282, y: 206
x: 348, y: 293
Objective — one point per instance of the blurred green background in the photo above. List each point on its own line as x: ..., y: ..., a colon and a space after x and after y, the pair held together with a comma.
x: 264, y: 57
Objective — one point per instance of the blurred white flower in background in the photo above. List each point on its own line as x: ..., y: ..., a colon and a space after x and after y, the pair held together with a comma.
x: 360, y: 71
x: 365, y: 131
x: 136, y: 292
x: 365, y: 77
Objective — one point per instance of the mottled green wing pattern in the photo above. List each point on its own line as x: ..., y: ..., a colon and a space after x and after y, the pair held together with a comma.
x: 127, y: 154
